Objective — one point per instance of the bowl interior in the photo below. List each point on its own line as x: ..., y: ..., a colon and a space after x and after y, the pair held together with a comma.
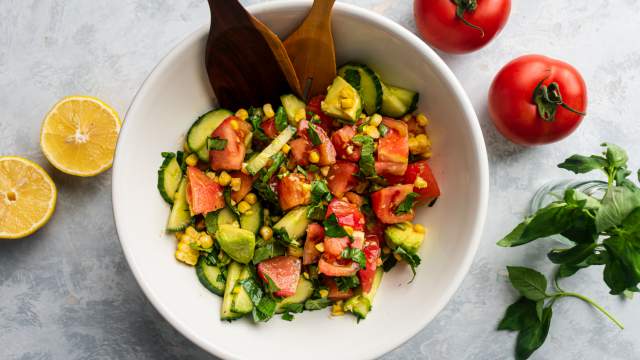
x: 177, y: 92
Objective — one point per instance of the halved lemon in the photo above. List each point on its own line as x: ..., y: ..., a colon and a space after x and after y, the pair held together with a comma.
x: 27, y: 197
x: 79, y: 135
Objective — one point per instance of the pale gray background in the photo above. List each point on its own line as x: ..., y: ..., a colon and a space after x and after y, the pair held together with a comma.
x: 67, y: 292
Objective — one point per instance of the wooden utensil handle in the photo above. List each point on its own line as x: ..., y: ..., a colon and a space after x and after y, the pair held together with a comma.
x: 322, y: 5
x: 226, y: 14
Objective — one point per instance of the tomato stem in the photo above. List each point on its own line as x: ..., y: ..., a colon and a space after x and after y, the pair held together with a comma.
x: 464, y: 6
x: 548, y: 98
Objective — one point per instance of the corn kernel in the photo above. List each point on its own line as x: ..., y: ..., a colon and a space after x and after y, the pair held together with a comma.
x: 426, y: 154
x: 314, y: 157
x: 346, y: 93
x: 242, y: 114
x: 243, y: 207
x: 235, y: 125
x: 337, y: 309
x: 266, y: 233
x: 348, y: 229
x: 268, y: 111
x: 236, y: 289
x: 191, y: 232
x: 320, y: 247
x: 422, y: 120
x: 423, y: 140
x: 419, y: 228
x: 286, y: 148
x: 251, y: 198
x: 407, y: 117
x: 323, y: 293
x: 300, y: 115
x: 192, y: 160
x: 205, y: 241
x: 179, y: 235
x: 386, y: 250
x: 184, y: 246
x: 294, y: 251
x: 236, y: 184
x: 211, y: 175
x: 420, y: 183
x: 305, y: 275
x: 224, y: 179
x: 372, y: 131
x: 187, y: 257
x: 324, y: 170
x: 375, y: 120
x: 346, y: 103
x: 306, y: 186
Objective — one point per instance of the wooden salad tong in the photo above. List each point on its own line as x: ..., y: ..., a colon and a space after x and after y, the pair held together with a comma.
x: 246, y: 62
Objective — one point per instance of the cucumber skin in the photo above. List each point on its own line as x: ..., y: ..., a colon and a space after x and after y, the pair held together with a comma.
x: 233, y: 273
x: 200, y: 272
x: 304, y: 290
x: 201, y: 151
x: 161, y: 182
x: 377, y: 83
x: 180, y: 202
x: 242, y: 295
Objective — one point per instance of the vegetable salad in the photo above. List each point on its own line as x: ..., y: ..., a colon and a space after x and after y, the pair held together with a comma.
x: 302, y: 206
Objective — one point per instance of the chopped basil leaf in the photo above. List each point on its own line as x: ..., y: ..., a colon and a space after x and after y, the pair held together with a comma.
x: 407, y: 204
x: 347, y: 282
x: 316, y: 212
x: 267, y: 252
x: 293, y: 308
x: 320, y: 191
x: 332, y: 228
x: 367, y: 162
x: 316, y: 304
x: 216, y: 143
x: 287, y: 316
x: 313, y: 135
x: 356, y: 255
x: 412, y: 259
x: 271, y: 285
x: 383, y: 130
x: 255, y: 117
x: 228, y: 201
x: 281, y: 119
x: 282, y: 236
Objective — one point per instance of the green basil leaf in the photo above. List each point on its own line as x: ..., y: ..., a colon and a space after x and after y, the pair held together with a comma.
x: 615, y: 277
x: 320, y: 191
x: 282, y: 236
x: 266, y: 252
x: 519, y: 315
x: 255, y: 117
x: 356, y: 255
x: 316, y: 304
x: 573, y: 255
x: 367, y: 162
x: 293, y: 308
x: 383, y: 130
x: 216, y: 143
x: 313, y: 135
x: 530, y: 283
x: 271, y: 286
x: 616, y: 156
x: 227, y: 200
x: 617, y: 204
x: 413, y: 260
x: 407, y: 204
x: 515, y: 236
x: 347, y: 282
x: 580, y: 164
x: 532, y: 337
x: 281, y: 119
x: 287, y: 316
x: 316, y: 212
x: 332, y: 228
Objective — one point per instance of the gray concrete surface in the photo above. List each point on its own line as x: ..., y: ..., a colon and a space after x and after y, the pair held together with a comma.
x: 67, y: 292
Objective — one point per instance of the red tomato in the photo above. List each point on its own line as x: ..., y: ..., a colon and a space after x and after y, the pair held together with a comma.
x: 341, y: 177
x: 334, y: 293
x: 203, y: 193
x: 345, y: 148
x: 372, y: 253
x: 232, y: 156
x: 269, y: 128
x: 333, y: 246
x: 293, y: 190
x: 335, y: 268
x: 393, y: 149
x: 326, y: 150
x: 315, y: 107
x: 347, y: 214
x: 315, y: 235
x: 385, y: 201
x: 284, y: 271
x: 519, y: 108
x: 300, y: 149
x: 439, y: 25
x: 245, y: 186
x: 422, y: 169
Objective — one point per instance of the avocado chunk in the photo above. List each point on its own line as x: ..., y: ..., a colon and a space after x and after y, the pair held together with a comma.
x: 292, y: 105
x: 403, y: 235
x: 360, y: 304
x: 238, y: 243
x: 343, y: 101
x: 295, y: 223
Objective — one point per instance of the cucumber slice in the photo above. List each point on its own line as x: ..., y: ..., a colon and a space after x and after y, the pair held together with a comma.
x: 360, y: 304
x: 169, y: 177
x: 233, y: 273
x: 407, y: 97
x: 210, y: 277
x: 259, y: 161
x: 252, y: 219
x: 180, y: 216
x: 369, y: 86
x: 304, y: 290
x: 397, y: 102
x: 292, y: 105
x: 241, y: 303
x: 202, y: 129
x: 294, y: 222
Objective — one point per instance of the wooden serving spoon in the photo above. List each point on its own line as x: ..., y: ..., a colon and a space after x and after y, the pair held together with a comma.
x: 245, y: 65
x: 312, y: 51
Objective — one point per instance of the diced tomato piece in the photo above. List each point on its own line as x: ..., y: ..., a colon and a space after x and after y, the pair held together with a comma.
x: 371, y: 253
x: 347, y: 214
x: 345, y: 148
x: 294, y: 190
x: 300, y: 149
x: 393, y: 149
x: 203, y: 193
x: 334, y: 293
x: 315, y: 107
x: 334, y: 268
x: 284, y: 271
x: 385, y: 201
x: 232, y: 156
x: 423, y: 170
x: 341, y: 177
x: 315, y: 235
x: 269, y: 128
x: 326, y: 150
x: 245, y: 185
x: 354, y: 198
x: 334, y: 246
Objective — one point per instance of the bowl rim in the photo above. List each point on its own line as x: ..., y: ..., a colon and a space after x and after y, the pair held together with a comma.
x: 440, y: 67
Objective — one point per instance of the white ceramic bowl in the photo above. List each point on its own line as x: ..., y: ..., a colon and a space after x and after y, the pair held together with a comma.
x: 177, y: 92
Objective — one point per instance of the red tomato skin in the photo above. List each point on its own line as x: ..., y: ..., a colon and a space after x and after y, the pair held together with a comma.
x: 334, y: 293
x: 341, y: 140
x: 314, y: 106
x: 326, y: 150
x: 232, y: 156
x: 384, y: 202
x: 204, y: 195
x: 422, y: 169
x: 269, y: 128
x: 284, y: 271
x: 315, y: 235
x: 333, y: 246
x: 438, y: 25
x: 372, y: 253
x: 246, y: 181
x: 393, y: 149
x: 293, y: 190
x: 341, y: 177
x: 347, y: 214
x: 331, y: 268
x: 511, y: 104
x: 300, y: 149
